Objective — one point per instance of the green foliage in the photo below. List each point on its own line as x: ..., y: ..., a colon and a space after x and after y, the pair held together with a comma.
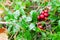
x: 22, y: 18
x: 34, y: 16
x: 24, y: 24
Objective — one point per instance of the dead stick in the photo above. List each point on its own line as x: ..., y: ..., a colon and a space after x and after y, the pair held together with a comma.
x: 4, y: 22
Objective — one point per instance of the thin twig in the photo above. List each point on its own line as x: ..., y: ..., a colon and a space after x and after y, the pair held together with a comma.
x: 11, y: 37
x: 4, y: 22
x: 15, y: 35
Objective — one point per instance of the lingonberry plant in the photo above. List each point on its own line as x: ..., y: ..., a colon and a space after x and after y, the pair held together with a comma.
x: 30, y: 19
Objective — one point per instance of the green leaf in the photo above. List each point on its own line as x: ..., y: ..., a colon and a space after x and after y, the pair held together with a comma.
x: 28, y: 19
x: 27, y: 36
x: 58, y: 22
x: 24, y: 24
x: 43, y: 34
x: 28, y: 3
x: 53, y: 18
x: 34, y: 15
x: 22, y: 11
x: 31, y: 26
x: 17, y: 7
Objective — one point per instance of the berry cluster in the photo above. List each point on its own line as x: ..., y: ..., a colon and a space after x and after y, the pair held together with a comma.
x: 44, y: 14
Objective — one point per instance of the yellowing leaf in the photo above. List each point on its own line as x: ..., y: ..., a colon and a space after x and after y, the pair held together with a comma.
x: 3, y: 35
x: 1, y: 10
x: 3, y: 30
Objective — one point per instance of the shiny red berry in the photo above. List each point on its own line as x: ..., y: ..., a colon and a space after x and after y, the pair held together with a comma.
x: 42, y: 12
x: 42, y: 16
x: 40, y: 27
x: 46, y: 11
x: 38, y: 17
x: 46, y: 14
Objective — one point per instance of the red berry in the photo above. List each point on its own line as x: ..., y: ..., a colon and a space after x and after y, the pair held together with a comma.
x: 46, y: 14
x: 46, y: 11
x: 40, y: 27
x: 42, y: 16
x: 38, y: 17
x: 42, y: 12
x: 46, y: 18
